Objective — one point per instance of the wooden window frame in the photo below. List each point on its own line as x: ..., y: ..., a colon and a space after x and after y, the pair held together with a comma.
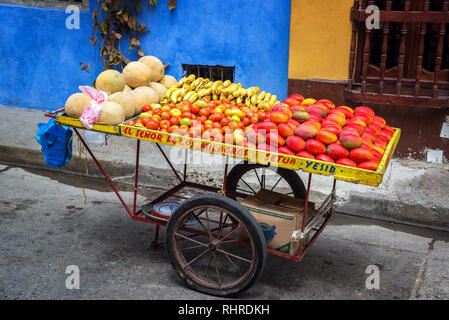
x: 419, y: 92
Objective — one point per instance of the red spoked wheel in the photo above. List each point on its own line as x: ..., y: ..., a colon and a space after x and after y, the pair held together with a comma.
x: 220, y: 249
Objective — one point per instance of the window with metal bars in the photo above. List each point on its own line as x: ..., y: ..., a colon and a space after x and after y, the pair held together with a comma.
x: 213, y: 73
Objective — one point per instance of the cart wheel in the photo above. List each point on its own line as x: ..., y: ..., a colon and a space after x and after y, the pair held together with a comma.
x: 266, y: 177
x: 215, y: 245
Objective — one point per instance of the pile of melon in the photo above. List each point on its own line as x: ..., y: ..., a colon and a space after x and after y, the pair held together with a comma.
x: 141, y: 83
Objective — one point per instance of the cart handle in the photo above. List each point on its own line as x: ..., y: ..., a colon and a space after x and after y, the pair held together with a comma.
x: 52, y: 114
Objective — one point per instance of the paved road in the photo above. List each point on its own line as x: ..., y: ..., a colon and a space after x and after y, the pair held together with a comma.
x: 45, y: 227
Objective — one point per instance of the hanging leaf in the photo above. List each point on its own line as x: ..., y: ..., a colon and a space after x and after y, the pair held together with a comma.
x: 104, y: 26
x: 116, y: 4
x: 112, y: 18
x: 142, y: 27
x: 171, y: 4
x: 140, y: 52
x: 85, y: 68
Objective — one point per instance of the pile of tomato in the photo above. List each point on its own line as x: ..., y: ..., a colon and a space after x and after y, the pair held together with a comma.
x: 210, y: 120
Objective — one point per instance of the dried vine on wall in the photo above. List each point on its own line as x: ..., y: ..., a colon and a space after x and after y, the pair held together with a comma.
x: 112, y: 20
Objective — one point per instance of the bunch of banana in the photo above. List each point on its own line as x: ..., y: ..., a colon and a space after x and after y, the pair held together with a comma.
x: 194, y: 89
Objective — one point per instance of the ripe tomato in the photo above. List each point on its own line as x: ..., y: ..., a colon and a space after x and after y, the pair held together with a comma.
x: 213, y: 135
x: 173, y: 128
x: 144, y: 121
x: 157, y: 111
x: 175, y: 112
x: 202, y: 119
x: 194, y: 109
x: 216, y: 125
x: 165, y: 130
x: 261, y: 115
x: 131, y: 122
x: 164, y: 124
x: 245, y: 121
x: 181, y: 131
x: 146, y: 108
x: 233, y: 125
x: 254, y: 120
x: 216, y: 117
x: 224, y: 122
x: 249, y: 114
x: 165, y: 115
x: 185, y: 108
x: 187, y: 114
x: 186, y: 103
x: 195, y: 132
x: 204, y: 112
x: 226, y: 129
x: 139, y: 120
x: 174, y: 121
x: 254, y: 109
x: 166, y: 108
x: 152, y: 124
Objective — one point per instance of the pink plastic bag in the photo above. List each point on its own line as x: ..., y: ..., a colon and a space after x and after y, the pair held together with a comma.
x: 92, y: 113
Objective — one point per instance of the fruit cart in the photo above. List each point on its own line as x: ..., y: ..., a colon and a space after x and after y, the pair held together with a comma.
x: 203, y: 235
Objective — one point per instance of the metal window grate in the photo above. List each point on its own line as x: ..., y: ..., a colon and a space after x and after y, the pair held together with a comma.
x: 213, y: 73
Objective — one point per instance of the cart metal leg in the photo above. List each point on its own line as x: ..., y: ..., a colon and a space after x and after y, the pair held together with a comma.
x: 104, y: 173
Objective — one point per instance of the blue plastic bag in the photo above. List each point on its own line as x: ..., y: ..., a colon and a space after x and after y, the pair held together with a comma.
x: 56, y: 143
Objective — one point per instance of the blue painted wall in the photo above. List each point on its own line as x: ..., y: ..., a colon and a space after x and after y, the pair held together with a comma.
x: 39, y: 57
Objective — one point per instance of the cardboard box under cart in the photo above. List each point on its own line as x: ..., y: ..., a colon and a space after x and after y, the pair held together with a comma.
x: 279, y: 216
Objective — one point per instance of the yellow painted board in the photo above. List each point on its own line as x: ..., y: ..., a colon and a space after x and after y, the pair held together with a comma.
x: 350, y: 174
x: 64, y: 120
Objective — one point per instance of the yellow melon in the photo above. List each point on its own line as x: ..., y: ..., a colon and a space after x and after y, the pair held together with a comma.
x: 76, y: 103
x: 110, y: 81
x: 144, y: 96
x: 127, y: 101
x: 159, y: 88
x: 155, y: 65
x: 136, y: 74
x: 127, y: 88
x: 168, y: 81
x: 112, y: 113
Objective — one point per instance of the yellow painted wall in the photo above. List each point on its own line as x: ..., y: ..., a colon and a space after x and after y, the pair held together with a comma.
x: 320, y: 39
